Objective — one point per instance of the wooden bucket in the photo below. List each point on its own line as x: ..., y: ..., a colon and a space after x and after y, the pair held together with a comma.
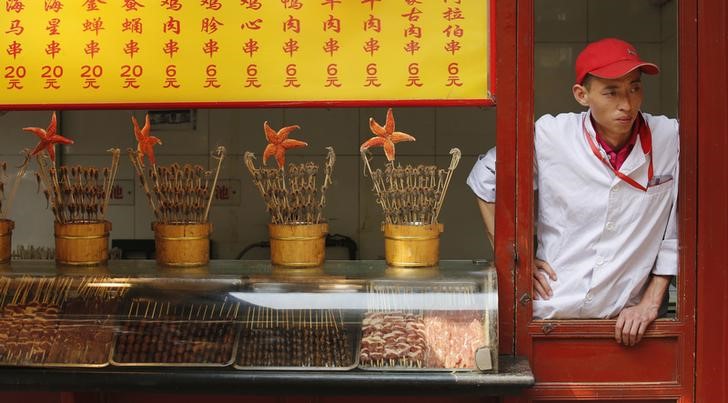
x: 412, y: 245
x: 298, y: 245
x: 82, y: 244
x: 182, y: 245
x: 6, y: 237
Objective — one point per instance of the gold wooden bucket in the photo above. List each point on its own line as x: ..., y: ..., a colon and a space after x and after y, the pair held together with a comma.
x: 6, y: 237
x: 412, y: 245
x: 182, y: 245
x: 82, y: 244
x: 298, y: 245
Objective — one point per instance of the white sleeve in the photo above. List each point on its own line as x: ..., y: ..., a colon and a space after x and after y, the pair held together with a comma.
x: 482, y: 177
x: 667, y: 256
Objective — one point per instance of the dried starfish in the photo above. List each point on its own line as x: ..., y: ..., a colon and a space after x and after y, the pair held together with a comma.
x: 278, y: 143
x: 144, y: 140
x: 385, y: 137
x: 48, y: 139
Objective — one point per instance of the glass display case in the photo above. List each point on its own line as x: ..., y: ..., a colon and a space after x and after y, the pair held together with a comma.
x: 249, y: 316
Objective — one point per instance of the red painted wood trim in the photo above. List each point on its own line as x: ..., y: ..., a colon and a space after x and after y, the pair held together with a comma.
x: 687, y: 200
x: 506, y: 113
x: 712, y: 233
x: 524, y: 174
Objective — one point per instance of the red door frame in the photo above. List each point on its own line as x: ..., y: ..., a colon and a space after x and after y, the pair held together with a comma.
x: 514, y: 225
x: 712, y: 199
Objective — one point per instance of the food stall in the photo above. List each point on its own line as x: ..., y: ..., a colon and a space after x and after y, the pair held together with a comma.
x: 142, y: 330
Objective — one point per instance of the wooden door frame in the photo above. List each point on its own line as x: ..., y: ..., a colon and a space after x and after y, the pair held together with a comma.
x: 514, y: 211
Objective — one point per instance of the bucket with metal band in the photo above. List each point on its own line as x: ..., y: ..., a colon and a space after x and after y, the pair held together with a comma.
x: 182, y: 244
x: 298, y: 245
x: 6, y: 236
x: 412, y: 245
x: 82, y: 244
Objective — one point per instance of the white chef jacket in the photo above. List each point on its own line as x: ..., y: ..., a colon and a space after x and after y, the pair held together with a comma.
x: 602, y: 236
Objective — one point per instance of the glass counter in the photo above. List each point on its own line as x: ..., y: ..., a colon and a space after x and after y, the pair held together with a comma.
x: 352, y: 320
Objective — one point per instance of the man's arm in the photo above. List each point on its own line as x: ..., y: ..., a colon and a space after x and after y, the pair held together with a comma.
x: 487, y: 211
x: 633, y: 321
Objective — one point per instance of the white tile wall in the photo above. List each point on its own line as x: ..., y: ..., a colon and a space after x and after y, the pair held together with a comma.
x: 562, y: 29
x: 632, y: 20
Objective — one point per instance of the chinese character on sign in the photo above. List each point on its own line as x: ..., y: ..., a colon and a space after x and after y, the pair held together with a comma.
x: 210, y: 25
x: 453, y: 14
x: 171, y: 48
x: 252, y: 24
x: 171, y: 25
x: 371, y: 46
x: 412, y: 47
x: 53, y: 49
x: 14, y: 84
x: 14, y: 5
x: 211, y: 79
x: 414, y: 75
x: 293, y: 4
x: 210, y: 47
x: 452, y: 47
x: 413, y: 15
x: 53, y: 5
x: 170, y: 81
x: 132, y: 5
x: 371, y: 3
x: 291, y: 79
x: 250, y: 47
x: 91, y: 83
x: 133, y: 25
x: 92, y: 48
x: 51, y: 84
x: 15, y: 28
x: 14, y: 49
x: 455, y: 30
x: 332, y: 79
x: 372, y: 78
x: 291, y: 47
x: 251, y: 4
x: 331, y: 46
x: 413, y: 30
x: 52, y: 27
x: 413, y: 2
x: 93, y: 5
x: 211, y: 4
x: 333, y: 24
x: 453, y: 79
x: 293, y: 24
x: 131, y: 48
x: 131, y: 82
x: 373, y: 23
x: 330, y: 3
x: 94, y: 25
x: 174, y: 5
x: 252, y: 76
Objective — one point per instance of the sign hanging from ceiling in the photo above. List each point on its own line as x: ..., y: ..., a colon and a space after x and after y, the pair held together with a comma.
x: 107, y: 53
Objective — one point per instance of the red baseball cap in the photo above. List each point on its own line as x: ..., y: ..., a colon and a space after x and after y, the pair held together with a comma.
x: 610, y: 58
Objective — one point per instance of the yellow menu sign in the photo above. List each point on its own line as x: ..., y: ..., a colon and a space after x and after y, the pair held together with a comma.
x: 227, y: 52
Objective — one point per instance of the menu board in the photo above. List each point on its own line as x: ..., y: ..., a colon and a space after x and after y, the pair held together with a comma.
x: 205, y: 52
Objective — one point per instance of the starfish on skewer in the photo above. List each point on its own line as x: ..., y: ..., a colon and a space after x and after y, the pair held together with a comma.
x: 278, y: 143
x: 145, y: 142
x: 385, y: 137
x: 48, y: 139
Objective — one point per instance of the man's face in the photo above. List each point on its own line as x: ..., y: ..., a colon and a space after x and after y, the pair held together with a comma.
x: 614, y: 102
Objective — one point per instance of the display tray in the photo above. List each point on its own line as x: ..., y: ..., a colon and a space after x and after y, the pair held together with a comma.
x: 297, y: 340
x: 412, y: 326
x: 177, y: 334
x: 57, y: 321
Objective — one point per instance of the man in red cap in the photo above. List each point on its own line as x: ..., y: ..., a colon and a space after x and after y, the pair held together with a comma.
x: 607, y: 192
